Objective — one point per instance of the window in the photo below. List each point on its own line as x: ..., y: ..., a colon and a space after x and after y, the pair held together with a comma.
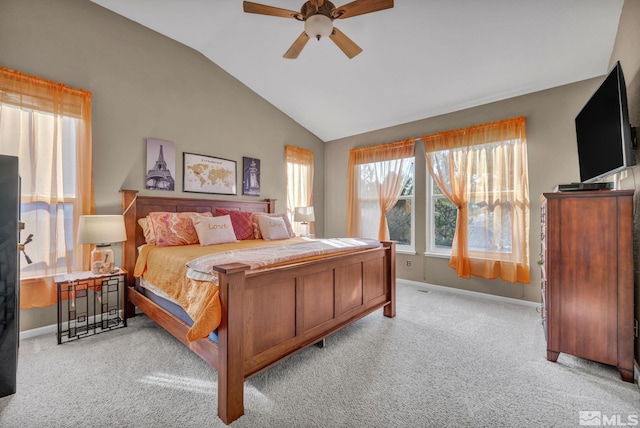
x: 400, y: 219
x: 299, y: 185
x: 479, y: 174
x: 442, y: 214
x: 380, y: 192
x: 47, y: 125
x: 481, y: 221
x: 19, y: 129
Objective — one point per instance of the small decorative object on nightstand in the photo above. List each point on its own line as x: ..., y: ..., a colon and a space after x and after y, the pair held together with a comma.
x: 89, y: 304
x: 304, y: 215
x: 101, y: 230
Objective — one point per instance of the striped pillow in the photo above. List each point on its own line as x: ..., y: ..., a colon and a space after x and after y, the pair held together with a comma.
x: 241, y: 221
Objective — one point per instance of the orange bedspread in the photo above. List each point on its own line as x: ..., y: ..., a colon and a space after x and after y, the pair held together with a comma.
x: 167, y: 268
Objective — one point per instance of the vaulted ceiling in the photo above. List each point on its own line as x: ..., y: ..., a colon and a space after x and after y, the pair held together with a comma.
x: 420, y: 58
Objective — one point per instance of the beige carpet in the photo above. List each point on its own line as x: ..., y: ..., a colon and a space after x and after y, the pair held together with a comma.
x: 446, y: 360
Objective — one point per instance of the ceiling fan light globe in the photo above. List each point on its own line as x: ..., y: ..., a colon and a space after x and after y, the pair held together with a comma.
x: 318, y: 25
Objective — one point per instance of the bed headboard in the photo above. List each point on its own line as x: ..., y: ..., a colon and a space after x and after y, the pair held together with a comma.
x: 136, y: 206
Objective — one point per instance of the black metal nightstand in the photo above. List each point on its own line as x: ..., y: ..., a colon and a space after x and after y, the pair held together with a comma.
x: 89, y: 304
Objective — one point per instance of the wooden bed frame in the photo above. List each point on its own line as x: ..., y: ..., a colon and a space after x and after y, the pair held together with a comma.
x: 270, y: 314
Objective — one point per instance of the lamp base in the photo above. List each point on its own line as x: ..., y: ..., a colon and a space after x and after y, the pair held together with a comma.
x: 306, y: 225
x: 102, y: 260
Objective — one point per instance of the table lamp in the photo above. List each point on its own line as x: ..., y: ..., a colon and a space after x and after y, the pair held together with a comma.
x: 304, y: 215
x: 101, y: 230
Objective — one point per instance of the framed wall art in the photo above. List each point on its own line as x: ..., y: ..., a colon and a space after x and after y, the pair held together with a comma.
x: 161, y: 160
x: 251, y: 176
x: 208, y: 174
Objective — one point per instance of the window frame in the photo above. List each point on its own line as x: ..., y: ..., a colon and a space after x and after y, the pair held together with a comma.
x: 430, y: 247
x: 403, y: 248
x: 31, y: 204
x: 41, y: 98
x: 430, y: 235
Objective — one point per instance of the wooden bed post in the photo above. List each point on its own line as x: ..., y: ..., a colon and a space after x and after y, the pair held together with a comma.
x: 390, y: 260
x: 231, y: 341
x: 271, y: 205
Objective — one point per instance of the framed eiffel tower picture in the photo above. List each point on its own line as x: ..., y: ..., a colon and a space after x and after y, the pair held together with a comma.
x: 161, y: 161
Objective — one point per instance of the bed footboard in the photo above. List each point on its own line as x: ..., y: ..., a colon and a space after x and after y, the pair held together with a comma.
x: 271, y: 314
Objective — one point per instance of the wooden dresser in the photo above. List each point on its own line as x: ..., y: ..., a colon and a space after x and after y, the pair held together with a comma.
x: 587, y: 276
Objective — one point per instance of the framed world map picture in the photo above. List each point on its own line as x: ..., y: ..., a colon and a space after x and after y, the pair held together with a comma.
x: 207, y: 174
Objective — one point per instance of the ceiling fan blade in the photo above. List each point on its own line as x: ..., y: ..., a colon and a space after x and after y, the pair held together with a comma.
x: 297, y: 46
x: 360, y: 7
x: 347, y: 45
x: 262, y: 9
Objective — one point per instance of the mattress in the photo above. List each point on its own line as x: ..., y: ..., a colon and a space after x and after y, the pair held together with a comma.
x: 185, y: 274
x: 160, y: 298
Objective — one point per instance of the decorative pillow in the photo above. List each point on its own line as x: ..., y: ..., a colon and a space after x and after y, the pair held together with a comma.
x: 174, y: 228
x: 149, y: 236
x: 241, y: 221
x: 256, y: 226
x: 272, y: 228
x: 214, y: 230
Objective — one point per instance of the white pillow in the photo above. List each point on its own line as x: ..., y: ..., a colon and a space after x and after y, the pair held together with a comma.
x: 214, y: 230
x: 272, y: 228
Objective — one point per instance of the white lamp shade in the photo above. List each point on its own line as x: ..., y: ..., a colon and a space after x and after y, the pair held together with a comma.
x: 304, y: 214
x: 318, y: 26
x: 101, y: 229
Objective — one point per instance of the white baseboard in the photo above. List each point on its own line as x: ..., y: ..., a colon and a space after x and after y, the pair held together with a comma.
x: 40, y: 331
x: 428, y: 286
x: 52, y: 329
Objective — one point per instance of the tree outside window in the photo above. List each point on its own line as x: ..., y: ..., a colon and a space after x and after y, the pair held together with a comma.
x: 400, y: 219
x: 444, y: 219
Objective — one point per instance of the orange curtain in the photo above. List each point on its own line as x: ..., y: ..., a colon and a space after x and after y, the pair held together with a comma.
x: 483, y: 170
x: 389, y: 171
x: 299, y: 163
x: 39, y: 119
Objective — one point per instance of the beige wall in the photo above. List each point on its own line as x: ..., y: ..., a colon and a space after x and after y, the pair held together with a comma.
x: 146, y: 85
x: 626, y: 51
x: 552, y: 156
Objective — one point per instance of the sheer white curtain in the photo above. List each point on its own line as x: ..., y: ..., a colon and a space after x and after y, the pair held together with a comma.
x: 47, y: 125
x: 376, y: 178
x: 482, y: 169
x: 299, y: 185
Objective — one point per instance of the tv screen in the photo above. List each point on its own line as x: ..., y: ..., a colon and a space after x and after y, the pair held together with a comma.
x: 603, y: 130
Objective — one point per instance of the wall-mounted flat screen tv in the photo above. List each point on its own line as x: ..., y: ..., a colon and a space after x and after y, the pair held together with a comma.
x: 603, y: 130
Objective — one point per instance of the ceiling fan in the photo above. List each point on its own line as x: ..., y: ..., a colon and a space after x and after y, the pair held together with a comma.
x: 318, y: 16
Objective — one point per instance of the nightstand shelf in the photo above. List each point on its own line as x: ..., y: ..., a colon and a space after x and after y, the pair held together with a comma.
x: 89, y: 304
